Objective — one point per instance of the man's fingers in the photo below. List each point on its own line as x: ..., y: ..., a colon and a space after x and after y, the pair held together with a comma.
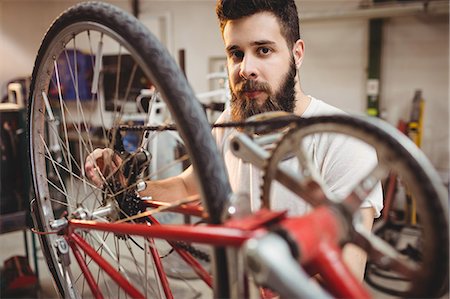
x: 95, y: 163
x: 101, y: 163
x: 117, y: 160
x: 93, y: 175
x: 111, y: 162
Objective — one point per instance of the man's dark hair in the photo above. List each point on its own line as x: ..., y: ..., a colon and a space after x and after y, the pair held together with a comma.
x: 284, y: 10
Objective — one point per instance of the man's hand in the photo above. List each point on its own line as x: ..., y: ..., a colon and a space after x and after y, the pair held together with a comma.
x: 100, y: 164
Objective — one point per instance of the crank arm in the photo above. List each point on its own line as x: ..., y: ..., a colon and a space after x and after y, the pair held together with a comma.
x: 249, y: 151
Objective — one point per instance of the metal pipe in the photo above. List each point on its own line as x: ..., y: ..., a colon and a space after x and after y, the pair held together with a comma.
x: 211, y: 234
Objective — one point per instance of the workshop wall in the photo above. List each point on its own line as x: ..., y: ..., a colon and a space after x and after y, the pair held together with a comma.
x: 415, y: 55
x: 22, y: 27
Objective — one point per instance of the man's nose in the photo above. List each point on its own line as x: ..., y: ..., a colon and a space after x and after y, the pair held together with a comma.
x: 248, y: 68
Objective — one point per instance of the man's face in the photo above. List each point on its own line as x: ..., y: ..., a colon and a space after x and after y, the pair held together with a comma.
x: 261, y: 67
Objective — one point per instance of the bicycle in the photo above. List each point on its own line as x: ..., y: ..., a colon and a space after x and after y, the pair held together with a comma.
x: 103, y: 242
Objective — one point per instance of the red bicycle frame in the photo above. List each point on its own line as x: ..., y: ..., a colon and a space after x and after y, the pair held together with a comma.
x: 316, y: 234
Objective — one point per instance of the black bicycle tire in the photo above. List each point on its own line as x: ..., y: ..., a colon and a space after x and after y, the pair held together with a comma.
x: 185, y: 109
x: 436, y: 276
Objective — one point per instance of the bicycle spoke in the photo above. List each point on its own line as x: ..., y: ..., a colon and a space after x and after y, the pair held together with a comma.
x: 68, y: 157
x: 118, y: 73
x: 146, y: 267
x: 173, y: 267
x: 80, y: 110
x: 63, y: 115
x: 154, y: 252
x: 62, y: 192
x: 149, y: 135
x: 102, y: 246
x: 55, y: 145
x: 74, y: 175
x: 98, y: 63
x: 130, y: 81
x: 137, y: 267
x: 88, y: 148
x: 167, y: 166
x: 53, y: 162
x: 100, y: 274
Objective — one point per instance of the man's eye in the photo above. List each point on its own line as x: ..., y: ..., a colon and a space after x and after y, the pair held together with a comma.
x: 264, y: 51
x: 237, y: 54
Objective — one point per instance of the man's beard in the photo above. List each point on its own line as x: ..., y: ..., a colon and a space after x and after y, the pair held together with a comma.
x: 243, y: 107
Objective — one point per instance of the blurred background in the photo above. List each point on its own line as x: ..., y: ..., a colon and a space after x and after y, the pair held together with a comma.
x: 383, y: 58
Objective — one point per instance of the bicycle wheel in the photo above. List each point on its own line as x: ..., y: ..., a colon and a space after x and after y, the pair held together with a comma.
x: 426, y: 277
x: 93, y: 63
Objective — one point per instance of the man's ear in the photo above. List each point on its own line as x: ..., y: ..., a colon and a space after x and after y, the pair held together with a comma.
x: 298, y: 51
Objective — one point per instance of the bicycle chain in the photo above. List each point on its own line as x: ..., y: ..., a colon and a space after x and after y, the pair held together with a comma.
x: 195, y: 252
x: 245, y: 124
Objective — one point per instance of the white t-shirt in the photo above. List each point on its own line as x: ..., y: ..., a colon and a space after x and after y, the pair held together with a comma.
x: 341, y: 161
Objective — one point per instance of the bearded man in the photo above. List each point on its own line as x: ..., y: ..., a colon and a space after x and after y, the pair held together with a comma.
x: 264, y: 55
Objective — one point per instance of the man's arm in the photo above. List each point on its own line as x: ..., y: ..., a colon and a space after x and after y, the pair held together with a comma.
x: 354, y: 257
x: 103, y: 161
x: 173, y: 188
